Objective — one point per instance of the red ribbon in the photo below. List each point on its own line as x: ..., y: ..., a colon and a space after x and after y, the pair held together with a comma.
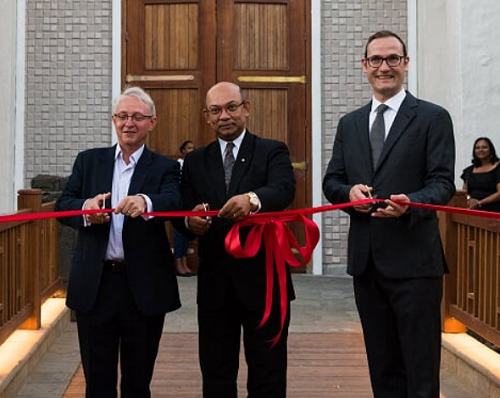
x: 278, y: 214
x: 279, y: 243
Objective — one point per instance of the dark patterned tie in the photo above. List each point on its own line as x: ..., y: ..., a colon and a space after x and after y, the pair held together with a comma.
x: 377, y: 135
x: 228, y: 163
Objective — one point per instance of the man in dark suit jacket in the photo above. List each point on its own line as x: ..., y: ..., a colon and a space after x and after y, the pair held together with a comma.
x: 122, y: 280
x: 232, y: 292
x: 395, y: 254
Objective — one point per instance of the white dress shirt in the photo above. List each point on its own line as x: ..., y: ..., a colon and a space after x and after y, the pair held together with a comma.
x: 390, y: 114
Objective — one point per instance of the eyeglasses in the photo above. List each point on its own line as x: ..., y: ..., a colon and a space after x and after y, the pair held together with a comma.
x: 136, y: 117
x: 392, y: 60
x: 231, y: 108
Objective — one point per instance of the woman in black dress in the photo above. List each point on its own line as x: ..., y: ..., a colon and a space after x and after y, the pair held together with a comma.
x: 482, y: 179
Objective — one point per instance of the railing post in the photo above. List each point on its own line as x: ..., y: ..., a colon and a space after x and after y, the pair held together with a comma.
x: 32, y: 199
x: 448, y: 231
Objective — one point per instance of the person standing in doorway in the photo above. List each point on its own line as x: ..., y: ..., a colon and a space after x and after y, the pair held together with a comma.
x: 400, y: 149
x: 181, y: 242
x: 122, y: 280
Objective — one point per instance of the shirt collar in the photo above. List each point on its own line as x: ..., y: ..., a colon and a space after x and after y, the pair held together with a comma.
x: 134, y: 158
x: 393, y: 103
x: 237, y: 142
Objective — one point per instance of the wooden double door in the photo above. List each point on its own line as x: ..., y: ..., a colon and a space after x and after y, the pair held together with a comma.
x: 177, y: 49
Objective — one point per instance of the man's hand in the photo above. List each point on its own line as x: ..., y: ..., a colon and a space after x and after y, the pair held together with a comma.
x: 199, y: 225
x: 236, y: 209
x: 97, y: 202
x: 132, y: 206
x: 393, y: 209
x: 360, y: 192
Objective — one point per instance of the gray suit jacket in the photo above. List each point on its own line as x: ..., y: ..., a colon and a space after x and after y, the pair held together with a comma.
x: 418, y: 159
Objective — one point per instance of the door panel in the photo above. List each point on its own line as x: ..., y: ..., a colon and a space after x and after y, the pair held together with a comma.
x: 175, y: 24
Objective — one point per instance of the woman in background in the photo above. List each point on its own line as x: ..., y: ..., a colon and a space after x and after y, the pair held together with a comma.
x: 482, y: 179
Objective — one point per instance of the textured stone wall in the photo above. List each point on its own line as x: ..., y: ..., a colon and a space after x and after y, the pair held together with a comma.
x: 68, y: 82
x: 346, y: 25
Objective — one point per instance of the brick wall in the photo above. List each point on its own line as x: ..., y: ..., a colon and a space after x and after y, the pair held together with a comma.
x: 346, y: 25
x: 68, y: 82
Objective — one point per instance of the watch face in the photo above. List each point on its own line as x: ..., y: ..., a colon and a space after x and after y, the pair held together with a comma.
x: 253, y: 199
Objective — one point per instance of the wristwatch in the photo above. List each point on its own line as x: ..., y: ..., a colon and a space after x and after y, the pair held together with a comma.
x: 254, y: 200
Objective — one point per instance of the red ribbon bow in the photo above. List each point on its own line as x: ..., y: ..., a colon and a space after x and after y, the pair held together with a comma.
x: 279, y: 243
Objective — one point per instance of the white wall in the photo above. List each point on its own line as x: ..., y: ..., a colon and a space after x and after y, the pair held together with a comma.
x: 7, y: 104
x: 480, y: 74
x: 459, y: 68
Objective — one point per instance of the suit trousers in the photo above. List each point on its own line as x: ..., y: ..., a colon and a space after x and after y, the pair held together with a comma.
x: 115, y: 331
x: 219, y: 350
x: 402, y: 330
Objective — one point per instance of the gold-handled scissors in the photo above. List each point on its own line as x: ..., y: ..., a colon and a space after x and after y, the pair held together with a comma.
x: 369, y: 193
x: 205, y: 208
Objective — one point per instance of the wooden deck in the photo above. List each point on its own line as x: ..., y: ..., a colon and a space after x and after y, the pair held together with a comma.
x: 319, y: 365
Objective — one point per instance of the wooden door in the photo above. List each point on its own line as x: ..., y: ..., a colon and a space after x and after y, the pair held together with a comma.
x: 177, y: 49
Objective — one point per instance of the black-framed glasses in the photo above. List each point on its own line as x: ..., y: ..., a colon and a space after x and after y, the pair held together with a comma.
x: 392, y: 60
x: 217, y: 110
x: 136, y: 117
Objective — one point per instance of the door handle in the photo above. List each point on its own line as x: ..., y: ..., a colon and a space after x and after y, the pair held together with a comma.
x: 273, y: 79
x: 302, y: 166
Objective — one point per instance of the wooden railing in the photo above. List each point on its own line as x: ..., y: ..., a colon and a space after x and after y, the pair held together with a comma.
x: 28, y: 265
x: 29, y: 269
x: 472, y: 289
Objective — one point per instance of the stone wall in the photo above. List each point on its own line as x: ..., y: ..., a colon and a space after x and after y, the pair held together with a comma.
x: 346, y: 25
x: 68, y: 82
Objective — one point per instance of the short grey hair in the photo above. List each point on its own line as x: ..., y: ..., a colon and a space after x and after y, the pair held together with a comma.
x: 138, y: 93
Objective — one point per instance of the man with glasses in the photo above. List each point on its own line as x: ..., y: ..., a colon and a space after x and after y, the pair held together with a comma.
x: 239, y: 173
x: 398, y: 149
x: 122, y: 280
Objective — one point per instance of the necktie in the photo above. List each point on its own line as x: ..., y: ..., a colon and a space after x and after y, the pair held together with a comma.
x: 377, y: 135
x: 228, y: 163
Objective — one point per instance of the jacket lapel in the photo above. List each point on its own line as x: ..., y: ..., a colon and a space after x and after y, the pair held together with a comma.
x: 244, y: 159
x: 361, y: 126
x: 215, y: 171
x: 403, y: 118
x: 107, y: 164
x: 140, y: 172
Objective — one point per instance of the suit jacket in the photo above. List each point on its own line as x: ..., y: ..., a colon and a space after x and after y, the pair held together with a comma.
x: 418, y: 159
x: 148, y: 258
x: 262, y: 166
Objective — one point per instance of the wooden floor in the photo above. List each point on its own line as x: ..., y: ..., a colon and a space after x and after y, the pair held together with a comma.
x: 319, y: 365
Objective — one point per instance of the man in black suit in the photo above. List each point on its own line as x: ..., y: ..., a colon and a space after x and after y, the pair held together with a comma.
x: 232, y: 292
x: 395, y: 254
x: 122, y: 280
